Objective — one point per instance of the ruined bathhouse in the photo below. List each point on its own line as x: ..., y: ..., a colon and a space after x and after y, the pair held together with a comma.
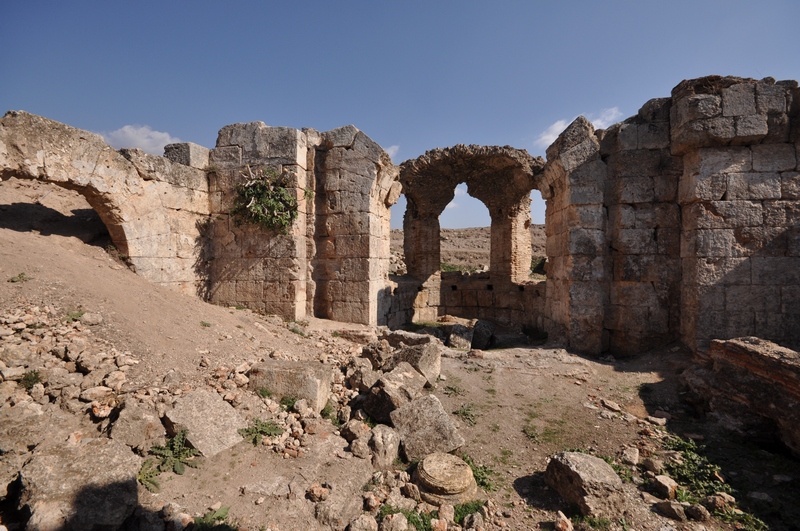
x: 679, y: 223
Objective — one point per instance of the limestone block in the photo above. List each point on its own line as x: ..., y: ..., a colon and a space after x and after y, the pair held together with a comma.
x: 753, y: 186
x: 790, y: 185
x: 636, y: 241
x: 137, y: 426
x: 188, y: 154
x: 712, y: 271
x: 211, y: 423
x: 398, y: 387
x: 739, y: 100
x: 774, y: 157
x: 710, y: 132
x: 653, y: 135
x: 426, y: 359
x: 425, y: 428
x: 633, y: 190
x: 750, y: 129
x: 590, y: 174
x: 225, y: 157
x: 88, y: 486
x: 782, y: 270
x: 656, y: 110
x: 303, y: 380
x: 385, y: 446
x: 665, y: 187
x: 722, y: 214
x: 770, y: 99
x: 586, y: 242
x: 778, y: 129
x: 587, y: 481
x: 696, y: 107
x: 627, y: 136
x: 781, y: 213
x: 756, y: 298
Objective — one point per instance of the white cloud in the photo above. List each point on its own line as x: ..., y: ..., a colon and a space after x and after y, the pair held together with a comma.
x: 392, y: 151
x: 140, y: 136
x: 452, y: 204
x: 605, y: 118
x: 551, y: 133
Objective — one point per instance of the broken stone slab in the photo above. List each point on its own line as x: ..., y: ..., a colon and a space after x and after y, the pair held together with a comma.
x: 379, y: 353
x: 398, y: 338
x: 385, y: 446
x: 665, y: 487
x: 443, y: 478
x: 299, y: 379
x: 361, y: 375
x: 425, y: 427
x: 138, y: 426
x: 426, y: 359
x: 672, y: 509
x: 88, y: 485
x: 400, y: 386
x: 212, y: 424
x: 588, y: 482
x: 459, y: 336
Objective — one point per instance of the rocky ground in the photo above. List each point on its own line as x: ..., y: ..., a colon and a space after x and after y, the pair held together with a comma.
x: 98, y: 366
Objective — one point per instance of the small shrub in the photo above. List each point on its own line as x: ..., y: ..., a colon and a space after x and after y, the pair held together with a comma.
x: 287, y: 402
x: 297, y: 330
x: 467, y: 414
x: 601, y: 524
x: 29, y: 379
x: 205, y: 324
x: 453, y: 390
x: 264, y: 393
x: 265, y: 199
x: 175, y: 455
x: 73, y: 316
x: 465, y: 509
x: 420, y: 521
x: 214, y: 521
x: 148, y: 475
x: 743, y: 521
x: 695, y: 471
x: 22, y: 277
x: 537, y: 265
x: 482, y: 473
x: 255, y: 433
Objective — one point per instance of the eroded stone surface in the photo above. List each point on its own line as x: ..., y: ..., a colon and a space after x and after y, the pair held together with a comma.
x: 587, y: 481
x: 425, y: 428
x: 212, y: 424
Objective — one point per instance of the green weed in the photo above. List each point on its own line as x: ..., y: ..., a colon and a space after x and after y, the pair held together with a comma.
x: 420, y: 521
x: 22, y: 277
x: 148, y: 475
x: 255, y: 433
x: 175, y: 455
x: 467, y: 414
x: 29, y: 379
x: 205, y: 324
x: 482, y: 473
x: 214, y: 521
x: 264, y: 393
x: 288, y: 402
x: 464, y: 509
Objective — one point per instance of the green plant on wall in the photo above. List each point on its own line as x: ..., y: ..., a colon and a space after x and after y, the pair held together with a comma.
x: 265, y: 199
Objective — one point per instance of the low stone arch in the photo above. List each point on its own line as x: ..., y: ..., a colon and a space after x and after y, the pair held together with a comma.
x: 501, y: 177
x: 153, y: 208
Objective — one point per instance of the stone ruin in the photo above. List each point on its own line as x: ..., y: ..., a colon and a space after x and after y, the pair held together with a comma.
x: 681, y: 223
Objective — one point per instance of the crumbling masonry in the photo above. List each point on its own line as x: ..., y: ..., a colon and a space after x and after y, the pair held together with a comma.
x: 680, y: 223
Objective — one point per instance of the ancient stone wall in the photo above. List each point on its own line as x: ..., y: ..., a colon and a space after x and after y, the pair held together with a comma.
x: 152, y: 207
x: 678, y: 223
x: 502, y: 178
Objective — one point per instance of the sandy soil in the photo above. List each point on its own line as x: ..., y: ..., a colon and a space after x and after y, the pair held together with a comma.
x: 516, y: 407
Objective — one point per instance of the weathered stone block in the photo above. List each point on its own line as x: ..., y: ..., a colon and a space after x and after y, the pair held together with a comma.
x: 299, y: 379
x: 653, y: 135
x: 770, y: 99
x: 774, y: 157
x: 780, y: 270
x: 425, y: 428
x: 790, y: 185
x: 398, y: 387
x: 137, y: 426
x: 750, y: 129
x: 739, y: 100
x: 696, y: 107
x: 188, y: 154
x: 587, y: 481
x: 753, y: 186
x: 212, y: 424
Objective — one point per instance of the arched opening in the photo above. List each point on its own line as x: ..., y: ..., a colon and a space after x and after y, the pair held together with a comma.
x: 47, y: 209
x: 538, y: 237
x: 465, y: 234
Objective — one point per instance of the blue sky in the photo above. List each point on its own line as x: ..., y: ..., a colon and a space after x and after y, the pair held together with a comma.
x: 412, y: 75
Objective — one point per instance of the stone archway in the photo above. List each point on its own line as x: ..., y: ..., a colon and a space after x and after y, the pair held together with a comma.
x: 153, y: 208
x: 501, y: 177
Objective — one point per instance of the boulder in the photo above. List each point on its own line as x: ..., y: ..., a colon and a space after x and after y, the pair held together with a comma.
x: 212, y: 424
x: 365, y: 522
x: 459, y: 336
x: 299, y: 379
x: 400, y: 386
x: 88, y: 485
x: 425, y: 427
x: 138, y: 426
x: 586, y: 481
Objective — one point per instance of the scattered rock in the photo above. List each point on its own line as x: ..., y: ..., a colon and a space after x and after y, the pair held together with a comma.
x: 396, y: 388
x: 665, y: 487
x: 563, y: 523
x: 317, y: 493
x: 587, y: 481
x: 630, y: 456
x: 138, y: 426
x: 212, y: 423
x: 671, y: 509
x: 697, y: 512
x: 365, y: 522
x: 91, y: 319
x: 299, y: 379
x: 425, y: 427
x: 385, y: 446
